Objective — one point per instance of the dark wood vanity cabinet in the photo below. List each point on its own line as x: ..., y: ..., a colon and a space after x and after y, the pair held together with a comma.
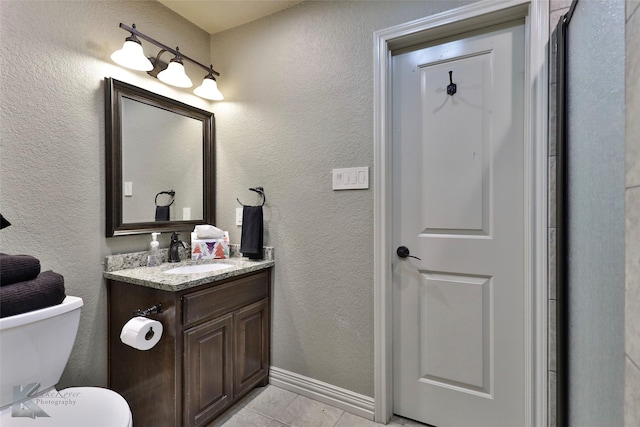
x: 208, y: 369
x: 214, y: 349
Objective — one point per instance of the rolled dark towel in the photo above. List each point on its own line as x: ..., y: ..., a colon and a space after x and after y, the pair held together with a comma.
x: 252, y: 232
x: 18, y: 268
x: 45, y: 290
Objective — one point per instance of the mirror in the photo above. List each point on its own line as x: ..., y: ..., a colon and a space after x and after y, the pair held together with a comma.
x: 160, y: 166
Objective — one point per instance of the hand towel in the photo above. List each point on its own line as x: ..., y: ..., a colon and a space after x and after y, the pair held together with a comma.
x: 18, y: 268
x: 252, y: 232
x: 162, y: 213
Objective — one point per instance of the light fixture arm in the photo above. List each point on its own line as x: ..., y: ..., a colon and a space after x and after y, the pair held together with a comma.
x: 167, y: 48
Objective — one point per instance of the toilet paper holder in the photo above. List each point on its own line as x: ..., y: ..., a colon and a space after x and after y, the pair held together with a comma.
x: 151, y: 310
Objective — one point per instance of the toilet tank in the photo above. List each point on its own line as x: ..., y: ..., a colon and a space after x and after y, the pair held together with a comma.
x: 35, y: 347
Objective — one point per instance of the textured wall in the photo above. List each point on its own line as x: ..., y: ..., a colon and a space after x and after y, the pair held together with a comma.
x: 298, y: 91
x: 55, y: 56
x: 596, y: 158
x: 632, y: 233
x: 299, y: 102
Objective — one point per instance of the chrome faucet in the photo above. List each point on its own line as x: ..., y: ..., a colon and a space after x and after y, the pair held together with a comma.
x: 174, y: 255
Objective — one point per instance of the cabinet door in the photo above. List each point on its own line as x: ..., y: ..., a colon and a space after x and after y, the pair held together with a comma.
x: 251, y: 345
x: 208, y: 369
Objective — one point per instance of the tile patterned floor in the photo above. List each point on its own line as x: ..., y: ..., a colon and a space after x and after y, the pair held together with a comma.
x: 272, y: 406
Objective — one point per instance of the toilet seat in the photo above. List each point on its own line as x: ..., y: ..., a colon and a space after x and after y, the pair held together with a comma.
x: 76, y: 407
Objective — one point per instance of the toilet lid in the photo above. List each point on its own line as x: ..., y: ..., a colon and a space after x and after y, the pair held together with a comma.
x: 72, y: 407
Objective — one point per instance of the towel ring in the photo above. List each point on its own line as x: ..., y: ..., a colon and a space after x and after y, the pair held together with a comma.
x: 170, y: 193
x: 258, y: 190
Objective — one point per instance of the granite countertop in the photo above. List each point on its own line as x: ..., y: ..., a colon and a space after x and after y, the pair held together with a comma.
x: 129, y: 269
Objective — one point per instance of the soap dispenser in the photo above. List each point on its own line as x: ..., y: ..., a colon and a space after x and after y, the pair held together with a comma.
x: 155, y: 257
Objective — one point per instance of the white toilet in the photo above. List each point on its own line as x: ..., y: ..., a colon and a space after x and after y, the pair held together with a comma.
x: 34, y: 350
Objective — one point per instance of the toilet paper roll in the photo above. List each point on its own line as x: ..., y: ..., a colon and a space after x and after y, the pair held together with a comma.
x: 141, y: 333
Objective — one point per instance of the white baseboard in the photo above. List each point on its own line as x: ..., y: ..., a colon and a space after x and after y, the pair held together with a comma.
x: 357, y: 404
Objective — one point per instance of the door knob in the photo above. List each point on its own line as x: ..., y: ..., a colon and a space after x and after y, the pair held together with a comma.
x: 403, y: 252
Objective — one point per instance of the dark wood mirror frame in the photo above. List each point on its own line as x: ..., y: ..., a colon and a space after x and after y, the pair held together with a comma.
x: 115, y: 90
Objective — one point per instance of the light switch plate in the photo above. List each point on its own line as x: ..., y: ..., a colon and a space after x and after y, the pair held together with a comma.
x: 351, y: 178
x: 128, y: 189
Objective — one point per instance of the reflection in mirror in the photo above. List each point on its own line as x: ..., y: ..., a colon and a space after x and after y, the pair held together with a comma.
x: 160, y: 164
x: 158, y: 152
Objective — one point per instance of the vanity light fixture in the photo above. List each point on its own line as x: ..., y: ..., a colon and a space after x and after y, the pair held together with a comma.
x: 209, y: 88
x: 132, y: 56
x: 174, y: 74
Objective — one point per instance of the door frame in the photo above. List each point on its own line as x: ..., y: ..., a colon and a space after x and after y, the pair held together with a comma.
x: 456, y: 21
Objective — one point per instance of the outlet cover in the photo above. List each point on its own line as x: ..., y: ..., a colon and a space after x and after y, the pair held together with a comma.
x: 238, y: 216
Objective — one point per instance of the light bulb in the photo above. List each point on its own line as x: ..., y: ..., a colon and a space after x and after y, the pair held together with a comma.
x: 132, y: 56
x: 209, y: 89
x: 174, y: 75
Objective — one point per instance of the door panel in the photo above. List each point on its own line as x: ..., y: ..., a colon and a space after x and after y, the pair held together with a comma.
x: 251, y: 345
x: 455, y: 160
x: 208, y: 370
x: 459, y: 205
x: 455, y: 337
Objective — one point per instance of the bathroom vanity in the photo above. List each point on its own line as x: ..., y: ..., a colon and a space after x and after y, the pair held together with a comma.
x: 215, y: 344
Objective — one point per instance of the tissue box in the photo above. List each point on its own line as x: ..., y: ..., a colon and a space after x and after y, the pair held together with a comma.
x: 209, y: 248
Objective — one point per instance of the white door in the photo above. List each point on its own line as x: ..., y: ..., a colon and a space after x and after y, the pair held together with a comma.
x: 459, y: 206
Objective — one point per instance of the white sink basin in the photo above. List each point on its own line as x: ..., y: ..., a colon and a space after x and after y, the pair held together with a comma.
x: 198, y: 268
